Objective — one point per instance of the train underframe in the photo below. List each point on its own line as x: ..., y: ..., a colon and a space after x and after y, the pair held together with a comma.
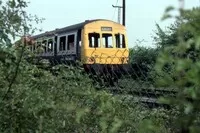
x: 109, y: 73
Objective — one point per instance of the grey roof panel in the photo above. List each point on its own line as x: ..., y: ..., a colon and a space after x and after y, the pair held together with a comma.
x: 65, y: 29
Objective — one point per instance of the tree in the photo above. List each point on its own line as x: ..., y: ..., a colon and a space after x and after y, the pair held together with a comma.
x: 182, y: 61
x: 142, y: 62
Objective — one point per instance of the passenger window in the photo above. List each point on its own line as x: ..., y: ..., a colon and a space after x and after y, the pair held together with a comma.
x: 94, y: 40
x: 70, y: 42
x: 39, y: 47
x: 38, y: 44
x: 107, y: 40
x: 29, y: 47
x: 50, y: 45
x: 44, y: 45
x: 62, y: 43
x: 34, y: 47
x: 120, y: 41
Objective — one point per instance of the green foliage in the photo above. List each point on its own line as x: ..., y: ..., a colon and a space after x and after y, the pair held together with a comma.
x: 14, y: 22
x: 62, y: 101
x: 142, y: 62
x: 178, y: 66
x: 40, y: 98
x: 168, y: 37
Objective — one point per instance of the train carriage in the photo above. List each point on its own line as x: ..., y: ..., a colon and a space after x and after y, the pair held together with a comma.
x: 99, y: 44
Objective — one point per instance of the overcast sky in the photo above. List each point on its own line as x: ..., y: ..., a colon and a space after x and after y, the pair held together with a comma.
x: 142, y: 15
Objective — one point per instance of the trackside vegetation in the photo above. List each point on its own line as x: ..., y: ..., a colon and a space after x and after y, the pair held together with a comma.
x: 36, y: 97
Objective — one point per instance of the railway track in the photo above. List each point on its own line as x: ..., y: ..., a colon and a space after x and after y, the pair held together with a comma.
x: 148, y: 97
x: 154, y: 93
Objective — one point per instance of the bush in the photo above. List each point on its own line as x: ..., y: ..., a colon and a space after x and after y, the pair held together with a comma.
x: 142, y: 62
x: 39, y: 101
x: 183, y: 71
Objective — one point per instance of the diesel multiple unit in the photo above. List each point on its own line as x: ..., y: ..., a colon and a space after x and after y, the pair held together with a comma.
x: 97, y: 44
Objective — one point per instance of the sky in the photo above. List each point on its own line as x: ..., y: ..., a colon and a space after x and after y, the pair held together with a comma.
x: 141, y: 15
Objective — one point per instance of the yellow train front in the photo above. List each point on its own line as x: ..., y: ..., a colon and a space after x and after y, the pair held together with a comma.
x: 105, y: 47
x: 101, y: 45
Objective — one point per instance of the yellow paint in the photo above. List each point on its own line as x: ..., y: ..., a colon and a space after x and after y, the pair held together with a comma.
x: 103, y: 55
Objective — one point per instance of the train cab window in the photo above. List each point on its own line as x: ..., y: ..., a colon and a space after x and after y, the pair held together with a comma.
x: 70, y: 42
x: 107, y: 40
x: 94, y: 40
x: 44, y: 45
x: 50, y: 45
x: 120, y: 41
x: 62, y: 43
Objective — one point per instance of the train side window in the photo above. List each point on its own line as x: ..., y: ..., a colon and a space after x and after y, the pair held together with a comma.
x: 70, y: 42
x: 29, y: 47
x: 38, y: 45
x: 34, y: 46
x: 107, y: 40
x: 120, y: 41
x: 62, y: 43
x: 50, y: 45
x: 44, y: 45
x: 94, y: 40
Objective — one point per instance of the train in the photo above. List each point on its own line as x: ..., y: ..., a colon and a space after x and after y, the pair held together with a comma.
x: 100, y: 45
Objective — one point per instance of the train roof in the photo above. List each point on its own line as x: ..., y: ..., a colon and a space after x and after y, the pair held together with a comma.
x: 67, y: 29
